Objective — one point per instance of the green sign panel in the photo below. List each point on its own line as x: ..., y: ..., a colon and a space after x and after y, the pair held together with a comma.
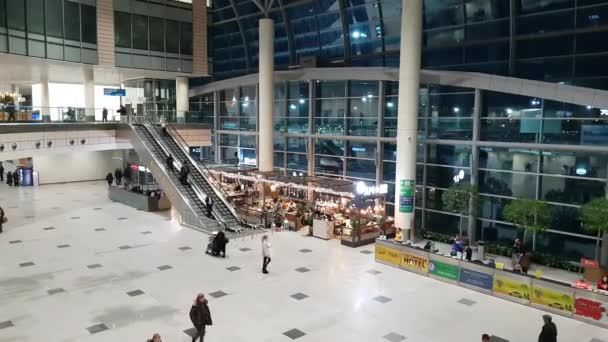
x: 444, y: 270
x: 407, y: 193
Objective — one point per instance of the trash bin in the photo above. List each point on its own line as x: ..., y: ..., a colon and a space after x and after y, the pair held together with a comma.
x: 481, y: 250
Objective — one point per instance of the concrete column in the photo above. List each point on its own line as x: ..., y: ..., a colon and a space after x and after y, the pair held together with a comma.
x: 45, y: 103
x: 407, y: 119
x: 181, y: 98
x: 89, y: 94
x: 266, y: 95
x: 472, y: 226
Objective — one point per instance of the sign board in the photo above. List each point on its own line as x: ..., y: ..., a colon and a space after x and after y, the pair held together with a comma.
x: 444, y: 270
x: 477, y: 279
x: 114, y: 92
x: 553, y: 299
x: 388, y: 255
x: 589, y: 263
x: 591, y: 309
x: 511, y: 287
x: 407, y: 192
x: 415, y: 263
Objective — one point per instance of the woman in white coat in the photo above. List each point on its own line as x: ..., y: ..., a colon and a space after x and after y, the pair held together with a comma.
x: 265, y: 253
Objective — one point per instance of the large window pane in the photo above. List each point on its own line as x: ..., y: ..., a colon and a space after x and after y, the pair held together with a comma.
x: 362, y: 149
x: 296, y: 161
x: 54, y: 18
x: 72, y: 20
x: 331, y: 165
x: 140, y: 32
x: 122, y: 29
x: 35, y: 16
x: 571, y: 247
x: 296, y: 145
x: 328, y: 89
x: 89, y: 24
x: 507, y: 184
x: 443, y: 223
x: 571, y: 190
x: 172, y: 36
x: 329, y: 147
x: 185, y: 38
x: 456, y: 155
x: 3, y: 16
x: 15, y: 14
x: 577, y: 164
x: 157, y: 34
x: 445, y: 177
x: 508, y: 159
x: 361, y: 168
x: 513, y: 130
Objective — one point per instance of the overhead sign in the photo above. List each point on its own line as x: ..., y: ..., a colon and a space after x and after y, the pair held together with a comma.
x: 366, y: 190
x: 114, y: 92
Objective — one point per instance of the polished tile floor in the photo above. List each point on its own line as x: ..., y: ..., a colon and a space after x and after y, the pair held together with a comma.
x: 77, y: 267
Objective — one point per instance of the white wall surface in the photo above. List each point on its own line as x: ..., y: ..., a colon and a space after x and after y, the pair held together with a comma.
x: 75, y: 166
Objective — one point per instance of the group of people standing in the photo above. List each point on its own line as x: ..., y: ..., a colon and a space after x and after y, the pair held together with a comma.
x: 118, y: 176
x: 12, y: 178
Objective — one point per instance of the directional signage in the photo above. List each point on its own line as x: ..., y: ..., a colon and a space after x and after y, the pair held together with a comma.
x: 114, y: 92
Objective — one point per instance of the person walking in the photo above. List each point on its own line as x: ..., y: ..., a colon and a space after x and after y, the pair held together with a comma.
x: 209, y: 206
x: 118, y: 176
x: 2, y: 219
x: 220, y: 243
x: 169, y: 162
x: 16, y: 177
x: 122, y: 111
x: 163, y: 126
x: 104, y: 115
x: 265, y: 253
x: 549, y: 331
x: 516, y: 253
x: 1, y: 172
x: 109, y: 178
x: 10, y: 109
x: 200, y: 315
x: 9, y: 178
x: 184, y: 172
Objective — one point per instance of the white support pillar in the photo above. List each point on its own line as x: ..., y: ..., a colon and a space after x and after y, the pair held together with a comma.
x: 181, y: 98
x: 407, y: 119
x: 89, y: 94
x: 45, y: 102
x: 266, y: 96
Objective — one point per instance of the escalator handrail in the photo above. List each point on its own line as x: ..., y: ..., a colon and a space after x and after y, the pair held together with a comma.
x: 162, y: 165
x: 220, y: 194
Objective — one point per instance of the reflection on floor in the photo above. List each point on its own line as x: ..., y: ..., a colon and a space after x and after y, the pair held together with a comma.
x: 76, y: 267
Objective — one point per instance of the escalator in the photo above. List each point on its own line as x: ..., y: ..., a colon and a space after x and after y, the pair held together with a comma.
x: 187, y: 199
x: 221, y: 210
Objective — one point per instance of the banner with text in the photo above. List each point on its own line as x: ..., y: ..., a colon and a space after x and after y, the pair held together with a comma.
x: 415, y: 262
x: 389, y: 255
x: 477, y: 279
x: 512, y: 288
x: 444, y: 270
x: 553, y: 299
x: 592, y: 309
x: 407, y: 192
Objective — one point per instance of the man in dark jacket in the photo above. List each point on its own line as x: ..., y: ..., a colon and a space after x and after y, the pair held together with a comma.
x: 549, y: 332
x: 169, y: 162
x: 109, y: 178
x: 104, y: 115
x: 1, y: 172
x: 118, y: 176
x: 200, y: 317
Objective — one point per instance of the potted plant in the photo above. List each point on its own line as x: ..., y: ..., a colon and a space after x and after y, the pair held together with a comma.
x: 594, y: 215
x: 532, y: 216
x: 462, y: 200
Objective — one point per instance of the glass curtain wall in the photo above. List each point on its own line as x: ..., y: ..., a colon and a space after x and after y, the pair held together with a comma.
x: 55, y: 29
x: 157, y: 36
x: 524, y: 148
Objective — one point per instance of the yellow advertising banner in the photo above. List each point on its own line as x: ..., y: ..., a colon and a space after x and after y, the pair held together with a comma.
x: 415, y: 262
x: 554, y: 299
x: 389, y: 255
x: 511, y: 287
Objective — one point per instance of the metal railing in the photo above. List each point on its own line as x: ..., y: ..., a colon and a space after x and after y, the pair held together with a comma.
x: 38, y: 114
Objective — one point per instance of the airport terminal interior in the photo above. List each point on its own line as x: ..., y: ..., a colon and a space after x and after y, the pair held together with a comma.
x: 311, y: 170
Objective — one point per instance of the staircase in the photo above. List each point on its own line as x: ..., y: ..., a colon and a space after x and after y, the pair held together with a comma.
x: 188, y: 199
x: 221, y: 210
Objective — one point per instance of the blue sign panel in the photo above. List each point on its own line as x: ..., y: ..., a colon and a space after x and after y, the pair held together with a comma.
x: 476, y: 279
x: 114, y: 92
